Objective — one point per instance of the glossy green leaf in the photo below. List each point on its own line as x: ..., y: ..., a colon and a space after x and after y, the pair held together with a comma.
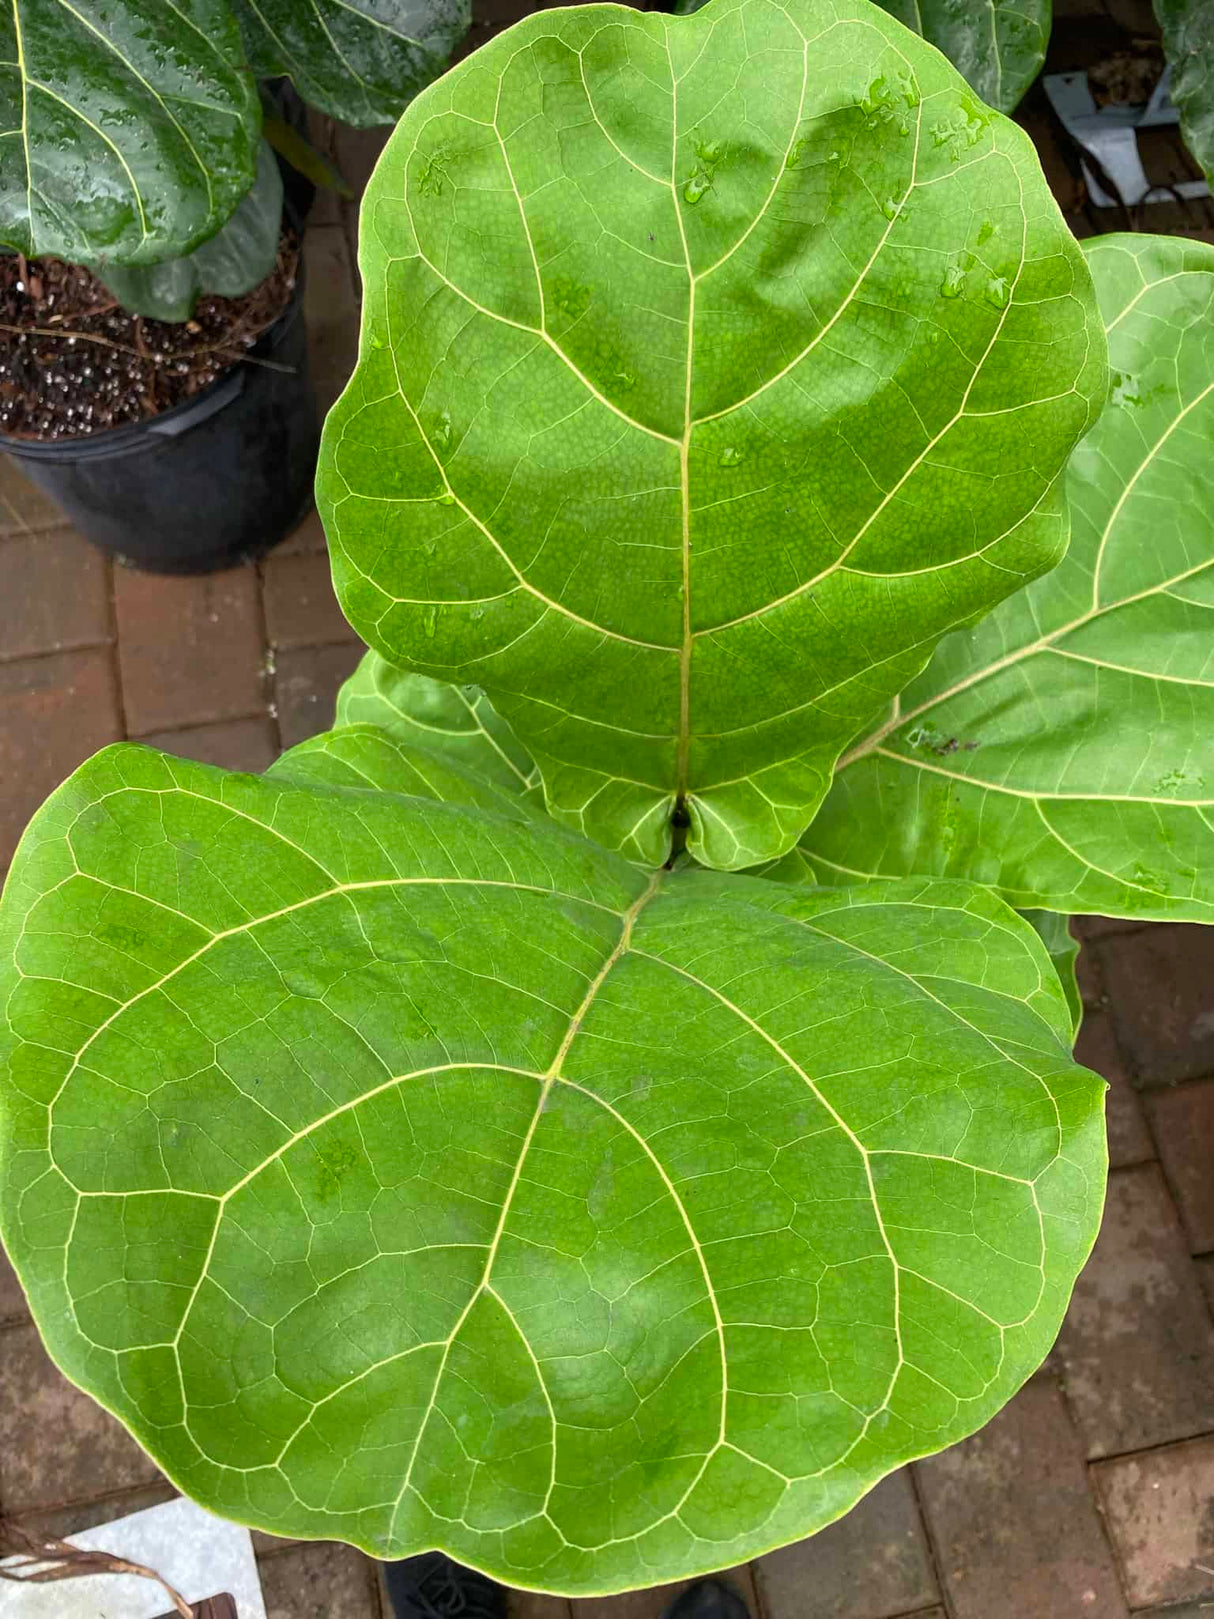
x: 1063, y: 948
x: 232, y: 262
x: 359, y: 60
x: 405, y: 1170
x: 128, y: 130
x: 1188, y: 42
x: 711, y: 369
x: 456, y: 721
x: 999, y: 45
x: 1063, y: 751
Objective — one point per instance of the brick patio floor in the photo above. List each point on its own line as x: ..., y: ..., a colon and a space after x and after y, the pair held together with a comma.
x: 1091, y: 1494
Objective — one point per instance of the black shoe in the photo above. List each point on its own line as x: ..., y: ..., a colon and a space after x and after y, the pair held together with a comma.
x: 433, y: 1587
x: 708, y: 1599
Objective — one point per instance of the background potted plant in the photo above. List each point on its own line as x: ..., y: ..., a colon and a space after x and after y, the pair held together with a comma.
x: 153, y: 370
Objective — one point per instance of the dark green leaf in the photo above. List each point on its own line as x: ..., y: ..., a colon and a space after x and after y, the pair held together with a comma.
x: 128, y: 129
x: 1063, y: 751
x: 359, y: 60
x: 711, y: 369
x: 409, y: 1173
x: 1188, y: 42
x: 999, y: 45
x: 232, y: 262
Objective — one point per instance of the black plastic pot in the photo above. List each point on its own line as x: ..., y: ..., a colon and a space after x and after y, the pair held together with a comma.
x: 213, y: 481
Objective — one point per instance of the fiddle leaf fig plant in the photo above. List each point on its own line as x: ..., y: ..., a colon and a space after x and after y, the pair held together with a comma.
x: 130, y: 131
x: 1063, y: 750
x: 686, y: 432
x: 107, y: 149
x: 357, y: 60
x: 420, y: 1145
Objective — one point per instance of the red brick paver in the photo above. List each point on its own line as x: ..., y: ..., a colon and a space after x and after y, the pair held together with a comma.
x: 56, y: 1444
x: 12, y: 1298
x: 1015, y: 1527
x: 1160, y: 1510
x: 318, y: 1581
x: 189, y: 649
x: 54, y: 712
x: 301, y: 609
x: 1129, y: 1139
x: 1183, y: 1124
x: 56, y: 595
x: 1137, y: 1347
x: 250, y: 745
x: 1160, y: 984
x: 305, y: 688
x: 872, y: 1564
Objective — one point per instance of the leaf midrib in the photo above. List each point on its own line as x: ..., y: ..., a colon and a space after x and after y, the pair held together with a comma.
x: 551, y: 1075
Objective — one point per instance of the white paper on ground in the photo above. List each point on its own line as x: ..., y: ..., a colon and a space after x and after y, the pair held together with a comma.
x: 198, y: 1554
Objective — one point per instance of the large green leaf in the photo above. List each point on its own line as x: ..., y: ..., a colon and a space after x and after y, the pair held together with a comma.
x: 415, y: 1173
x: 128, y: 128
x: 360, y: 60
x: 1063, y: 751
x: 1188, y: 42
x: 999, y: 45
x: 457, y: 721
x: 234, y: 260
x: 711, y: 369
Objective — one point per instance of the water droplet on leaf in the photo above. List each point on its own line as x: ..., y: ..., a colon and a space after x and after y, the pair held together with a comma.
x: 1123, y: 390
x: 953, y: 283
x: 998, y: 291
x: 442, y: 433
x: 985, y: 231
x: 433, y: 174
x: 1144, y: 878
x: 697, y: 187
x: 1182, y: 781
x: 889, y: 208
x: 731, y: 456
